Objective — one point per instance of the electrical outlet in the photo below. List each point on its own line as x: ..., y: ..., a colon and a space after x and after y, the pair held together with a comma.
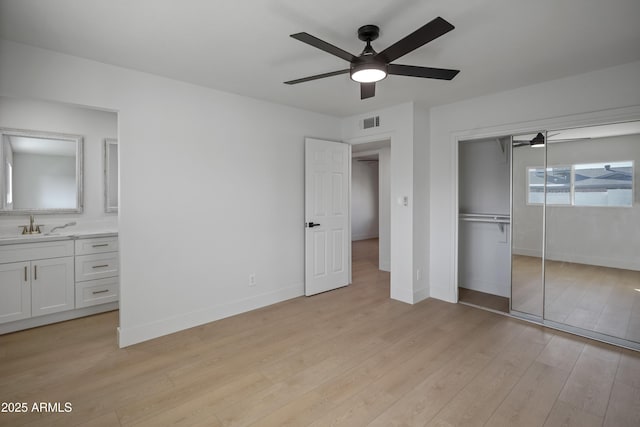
x: 252, y: 279
x: 418, y: 274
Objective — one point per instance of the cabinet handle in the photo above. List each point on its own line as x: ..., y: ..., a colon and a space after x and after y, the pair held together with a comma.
x: 35, y: 272
x: 100, y: 292
x: 100, y: 245
x: 25, y: 273
x: 100, y: 266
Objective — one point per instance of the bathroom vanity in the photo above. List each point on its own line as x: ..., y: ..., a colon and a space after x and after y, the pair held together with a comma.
x: 51, y: 278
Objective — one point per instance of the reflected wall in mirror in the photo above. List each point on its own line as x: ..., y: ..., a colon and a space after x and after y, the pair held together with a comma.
x: 110, y: 175
x: 527, y: 213
x: 592, y: 262
x: 41, y: 172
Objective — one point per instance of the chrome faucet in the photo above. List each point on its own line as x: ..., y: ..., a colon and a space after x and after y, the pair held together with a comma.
x: 32, y: 228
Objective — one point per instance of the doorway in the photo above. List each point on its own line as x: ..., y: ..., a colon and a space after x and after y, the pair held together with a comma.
x: 370, y: 206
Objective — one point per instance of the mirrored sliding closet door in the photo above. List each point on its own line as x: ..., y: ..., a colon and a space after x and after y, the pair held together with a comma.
x: 592, y: 239
x: 527, y: 217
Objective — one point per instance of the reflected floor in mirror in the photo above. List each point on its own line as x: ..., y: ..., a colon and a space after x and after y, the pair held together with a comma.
x: 526, y: 284
x: 600, y: 299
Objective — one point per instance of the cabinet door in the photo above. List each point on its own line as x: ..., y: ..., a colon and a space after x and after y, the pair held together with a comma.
x: 52, y: 286
x: 15, y: 292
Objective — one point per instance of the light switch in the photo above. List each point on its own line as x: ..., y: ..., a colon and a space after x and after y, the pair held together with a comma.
x: 403, y: 201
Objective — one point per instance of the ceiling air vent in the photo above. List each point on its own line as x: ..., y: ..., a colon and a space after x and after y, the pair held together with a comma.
x: 371, y: 122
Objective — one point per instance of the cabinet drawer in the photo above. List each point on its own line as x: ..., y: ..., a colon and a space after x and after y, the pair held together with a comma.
x: 97, y: 266
x: 96, y: 246
x: 97, y: 292
x: 28, y: 251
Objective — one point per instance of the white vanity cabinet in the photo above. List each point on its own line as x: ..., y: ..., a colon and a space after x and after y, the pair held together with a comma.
x: 15, y: 289
x: 36, y: 279
x: 97, y: 271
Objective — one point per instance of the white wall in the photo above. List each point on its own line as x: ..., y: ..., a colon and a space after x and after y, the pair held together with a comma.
x: 606, y: 236
x: 421, y: 236
x: 211, y: 188
x: 396, y: 124
x: 566, y: 102
x: 384, y: 213
x: 94, y: 125
x: 484, y: 184
x: 364, y: 200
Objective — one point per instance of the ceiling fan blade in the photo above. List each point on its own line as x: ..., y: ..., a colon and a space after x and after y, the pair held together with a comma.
x: 425, y: 72
x: 367, y: 90
x: 421, y: 36
x: 316, y: 77
x: 323, y: 45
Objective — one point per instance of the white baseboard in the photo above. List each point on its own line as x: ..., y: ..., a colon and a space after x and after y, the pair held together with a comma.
x: 140, y: 333
x: 526, y: 252
x: 626, y: 264
x: 420, y: 294
x: 443, y: 293
x: 34, y: 322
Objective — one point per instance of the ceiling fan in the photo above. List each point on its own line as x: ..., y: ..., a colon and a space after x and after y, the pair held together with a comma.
x: 371, y: 66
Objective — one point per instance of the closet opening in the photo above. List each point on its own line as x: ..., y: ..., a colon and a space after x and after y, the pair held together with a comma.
x: 484, y: 223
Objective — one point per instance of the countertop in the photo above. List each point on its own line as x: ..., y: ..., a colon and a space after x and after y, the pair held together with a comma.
x: 34, y: 238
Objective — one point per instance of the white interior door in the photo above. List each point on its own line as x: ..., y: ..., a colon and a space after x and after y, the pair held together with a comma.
x: 327, y: 215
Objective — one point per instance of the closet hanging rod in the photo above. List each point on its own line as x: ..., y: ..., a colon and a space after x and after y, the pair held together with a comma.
x: 491, y: 218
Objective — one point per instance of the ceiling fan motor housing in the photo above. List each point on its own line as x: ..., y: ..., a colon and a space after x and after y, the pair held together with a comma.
x: 368, y: 33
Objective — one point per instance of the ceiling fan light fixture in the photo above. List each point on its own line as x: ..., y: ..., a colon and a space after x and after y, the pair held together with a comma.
x: 368, y: 72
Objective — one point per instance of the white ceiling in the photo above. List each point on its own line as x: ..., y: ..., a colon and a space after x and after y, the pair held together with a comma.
x: 243, y: 46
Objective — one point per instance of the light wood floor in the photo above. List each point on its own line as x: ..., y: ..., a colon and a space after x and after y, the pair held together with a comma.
x: 601, y: 299
x: 350, y: 357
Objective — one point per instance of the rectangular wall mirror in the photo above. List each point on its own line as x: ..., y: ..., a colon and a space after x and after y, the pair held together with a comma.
x: 110, y: 175
x: 40, y: 172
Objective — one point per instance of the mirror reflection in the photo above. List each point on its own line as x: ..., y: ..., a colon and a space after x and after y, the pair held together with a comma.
x: 592, y: 266
x: 41, y: 172
x: 527, y: 223
x: 110, y: 175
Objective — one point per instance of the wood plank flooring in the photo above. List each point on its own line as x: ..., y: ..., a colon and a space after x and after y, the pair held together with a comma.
x: 351, y: 357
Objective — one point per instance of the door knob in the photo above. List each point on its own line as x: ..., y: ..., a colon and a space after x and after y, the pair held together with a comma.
x: 312, y: 224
